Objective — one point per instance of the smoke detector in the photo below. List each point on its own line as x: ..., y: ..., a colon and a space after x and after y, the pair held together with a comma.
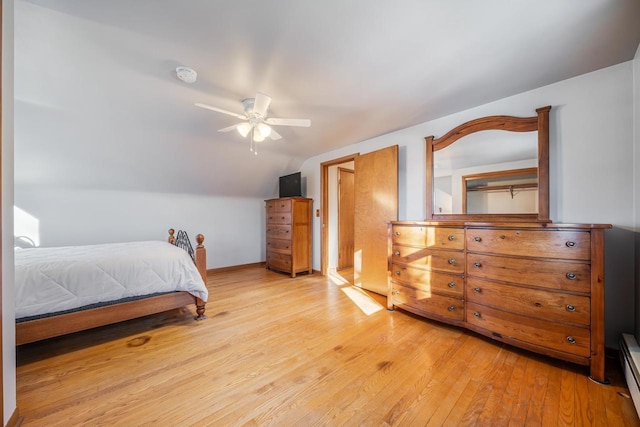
x: 186, y: 74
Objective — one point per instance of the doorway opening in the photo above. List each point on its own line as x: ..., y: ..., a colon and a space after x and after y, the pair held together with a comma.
x: 329, y: 241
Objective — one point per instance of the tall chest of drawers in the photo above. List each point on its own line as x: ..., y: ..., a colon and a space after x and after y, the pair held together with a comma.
x: 288, y: 234
x: 535, y: 286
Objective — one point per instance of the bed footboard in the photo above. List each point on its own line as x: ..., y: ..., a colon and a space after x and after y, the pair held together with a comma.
x: 199, y: 256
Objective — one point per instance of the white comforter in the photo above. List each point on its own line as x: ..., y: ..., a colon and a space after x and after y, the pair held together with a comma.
x: 49, y: 280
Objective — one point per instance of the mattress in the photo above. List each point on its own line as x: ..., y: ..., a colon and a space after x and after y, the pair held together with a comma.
x: 49, y: 280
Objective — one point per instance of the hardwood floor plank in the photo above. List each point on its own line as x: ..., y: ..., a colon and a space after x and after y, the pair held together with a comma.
x: 282, y: 351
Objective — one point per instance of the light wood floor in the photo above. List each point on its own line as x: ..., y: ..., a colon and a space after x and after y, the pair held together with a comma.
x: 299, y: 352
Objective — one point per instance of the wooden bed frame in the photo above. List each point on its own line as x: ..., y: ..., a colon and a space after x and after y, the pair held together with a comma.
x: 53, y: 326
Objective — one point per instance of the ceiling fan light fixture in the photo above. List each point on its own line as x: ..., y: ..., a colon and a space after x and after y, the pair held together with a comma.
x: 257, y: 136
x: 244, y: 129
x: 264, y: 129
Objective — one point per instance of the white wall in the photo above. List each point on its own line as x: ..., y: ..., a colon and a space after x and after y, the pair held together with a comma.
x: 233, y: 227
x: 591, y: 168
x: 8, y: 309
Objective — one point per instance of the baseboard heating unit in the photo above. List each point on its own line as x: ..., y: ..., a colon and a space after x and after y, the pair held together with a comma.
x: 630, y: 359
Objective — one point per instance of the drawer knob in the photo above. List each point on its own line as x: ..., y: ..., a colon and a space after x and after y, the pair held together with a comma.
x: 452, y: 261
x: 570, y: 244
x: 281, y: 217
x: 476, y: 314
x: 452, y: 284
x: 571, y: 307
x: 397, y: 253
x: 270, y: 217
x: 477, y: 239
x: 572, y: 276
x: 397, y: 233
x: 451, y: 308
x: 571, y: 340
x: 477, y: 264
x: 397, y: 273
x: 397, y: 292
x: 452, y: 237
x: 477, y: 290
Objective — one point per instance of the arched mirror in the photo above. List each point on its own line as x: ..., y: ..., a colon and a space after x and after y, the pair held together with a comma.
x: 493, y: 168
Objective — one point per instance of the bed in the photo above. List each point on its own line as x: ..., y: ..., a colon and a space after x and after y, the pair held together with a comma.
x: 128, y: 280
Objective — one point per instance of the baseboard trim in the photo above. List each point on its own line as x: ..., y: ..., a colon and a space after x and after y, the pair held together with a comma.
x: 235, y: 267
x: 15, y: 420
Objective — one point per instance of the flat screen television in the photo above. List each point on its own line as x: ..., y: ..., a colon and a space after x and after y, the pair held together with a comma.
x: 291, y: 185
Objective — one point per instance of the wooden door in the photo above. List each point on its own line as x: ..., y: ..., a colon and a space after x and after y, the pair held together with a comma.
x: 376, y: 203
x: 345, y: 218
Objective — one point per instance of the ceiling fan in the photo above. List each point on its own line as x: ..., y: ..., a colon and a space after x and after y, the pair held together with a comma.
x: 255, y: 119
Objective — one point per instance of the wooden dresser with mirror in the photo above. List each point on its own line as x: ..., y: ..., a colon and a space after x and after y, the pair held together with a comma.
x: 495, y: 263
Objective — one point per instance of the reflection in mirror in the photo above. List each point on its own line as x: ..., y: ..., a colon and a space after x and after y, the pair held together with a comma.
x: 487, y: 152
x: 504, y: 191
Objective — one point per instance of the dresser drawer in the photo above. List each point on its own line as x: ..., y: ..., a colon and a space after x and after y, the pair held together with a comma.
x: 428, y: 281
x: 279, y: 245
x: 279, y: 205
x: 553, y: 306
x: 279, y: 218
x: 279, y: 261
x: 430, y: 237
x: 278, y: 231
x: 531, y: 243
x: 568, y: 276
x: 569, y: 339
x: 450, y: 261
x: 445, y: 306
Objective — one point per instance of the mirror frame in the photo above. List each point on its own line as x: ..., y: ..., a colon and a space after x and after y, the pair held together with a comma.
x: 539, y: 123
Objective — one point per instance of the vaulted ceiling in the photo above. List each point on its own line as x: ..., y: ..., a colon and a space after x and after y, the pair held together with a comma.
x: 98, y: 103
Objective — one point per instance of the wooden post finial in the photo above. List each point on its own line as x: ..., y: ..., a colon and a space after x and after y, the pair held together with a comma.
x: 171, y: 239
x: 199, y: 240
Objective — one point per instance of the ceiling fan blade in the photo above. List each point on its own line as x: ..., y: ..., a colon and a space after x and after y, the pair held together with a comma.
x: 275, y: 135
x: 289, y: 122
x: 261, y: 104
x: 228, y: 129
x: 220, y: 110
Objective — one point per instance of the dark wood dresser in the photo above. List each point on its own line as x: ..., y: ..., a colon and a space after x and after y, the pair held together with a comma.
x: 289, y: 234
x: 538, y: 286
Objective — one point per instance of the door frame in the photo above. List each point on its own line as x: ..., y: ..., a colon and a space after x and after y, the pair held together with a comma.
x: 324, y: 215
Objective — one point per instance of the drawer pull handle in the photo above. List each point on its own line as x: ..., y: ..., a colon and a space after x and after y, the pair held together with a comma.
x: 571, y: 340
x: 397, y: 273
x: 477, y: 264
x: 397, y: 253
x: 476, y: 314
x: 452, y: 261
x: 571, y: 307
x: 452, y: 284
x: 570, y: 244
x: 477, y: 239
x: 477, y: 290
x: 397, y: 233
x: 452, y: 237
x: 451, y: 308
x: 572, y: 276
